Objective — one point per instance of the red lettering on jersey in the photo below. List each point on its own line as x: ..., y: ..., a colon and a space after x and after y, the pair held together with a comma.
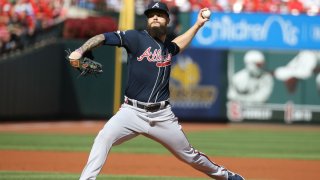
x: 166, y: 62
x: 163, y: 64
x: 156, y: 56
x: 146, y: 54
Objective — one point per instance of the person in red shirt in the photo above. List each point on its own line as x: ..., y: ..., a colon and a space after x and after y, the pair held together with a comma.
x: 295, y: 7
x: 267, y: 6
x: 215, y: 6
x: 195, y: 5
x: 250, y: 6
x: 199, y: 4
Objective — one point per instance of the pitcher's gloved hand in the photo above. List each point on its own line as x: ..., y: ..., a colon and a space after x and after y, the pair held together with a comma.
x: 84, y: 62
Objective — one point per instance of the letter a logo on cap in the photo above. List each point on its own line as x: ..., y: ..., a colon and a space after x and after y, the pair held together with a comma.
x: 155, y: 5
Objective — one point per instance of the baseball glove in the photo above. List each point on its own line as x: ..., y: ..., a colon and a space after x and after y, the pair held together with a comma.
x: 86, y: 65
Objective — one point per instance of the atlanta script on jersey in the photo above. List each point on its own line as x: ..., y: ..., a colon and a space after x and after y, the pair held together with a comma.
x: 149, y: 64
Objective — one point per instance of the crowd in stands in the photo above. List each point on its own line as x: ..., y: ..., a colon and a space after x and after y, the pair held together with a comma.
x: 20, y: 20
x: 295, y: 7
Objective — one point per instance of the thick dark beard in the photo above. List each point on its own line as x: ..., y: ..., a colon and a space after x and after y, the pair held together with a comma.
x: 157, y: 32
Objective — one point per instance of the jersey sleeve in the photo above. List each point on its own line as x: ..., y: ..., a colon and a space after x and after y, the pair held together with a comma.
x: 112, y: 39
x: 127, y: 39
x: 173, y: 48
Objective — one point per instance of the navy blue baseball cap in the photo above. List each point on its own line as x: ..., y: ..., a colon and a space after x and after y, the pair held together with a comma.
x: 159, y: 6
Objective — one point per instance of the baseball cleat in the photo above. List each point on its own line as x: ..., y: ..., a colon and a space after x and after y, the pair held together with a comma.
x: 234, y: 176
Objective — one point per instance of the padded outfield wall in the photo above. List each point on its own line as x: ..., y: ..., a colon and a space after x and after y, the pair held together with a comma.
x: 40, y: 84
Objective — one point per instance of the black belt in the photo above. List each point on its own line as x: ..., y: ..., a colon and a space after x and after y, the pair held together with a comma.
x: 150, y: 107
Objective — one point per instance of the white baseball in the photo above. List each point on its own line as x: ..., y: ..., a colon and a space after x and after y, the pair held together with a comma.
x: 206, y: 14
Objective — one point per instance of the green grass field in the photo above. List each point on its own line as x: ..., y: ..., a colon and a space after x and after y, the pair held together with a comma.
x: 229, y: 142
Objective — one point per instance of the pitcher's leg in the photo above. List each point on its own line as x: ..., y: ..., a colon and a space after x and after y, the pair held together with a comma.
x: 169, y: 134
x: 116, y: 130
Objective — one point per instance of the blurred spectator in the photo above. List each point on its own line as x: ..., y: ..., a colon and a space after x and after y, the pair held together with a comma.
x: 295, y: 7
x: 20, y: 20
x: 4, y: 33
x: 215, y: 6
x: 237, y: 5
x: 184, y: 5
x: 140, y: 6
x: 312, y: 7
x: 269, y: 6
x: 250, y: 5
x: 225, y: 5
x: 266, y: 6
x: 194, y: 5
x: 282, y: 7
x: 113, y: 5
x: 199, y: 4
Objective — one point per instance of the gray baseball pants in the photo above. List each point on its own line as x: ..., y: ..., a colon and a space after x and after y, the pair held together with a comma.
x: 161, y: 126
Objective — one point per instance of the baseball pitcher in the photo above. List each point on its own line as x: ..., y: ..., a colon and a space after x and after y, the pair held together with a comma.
x: 146, y: 109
